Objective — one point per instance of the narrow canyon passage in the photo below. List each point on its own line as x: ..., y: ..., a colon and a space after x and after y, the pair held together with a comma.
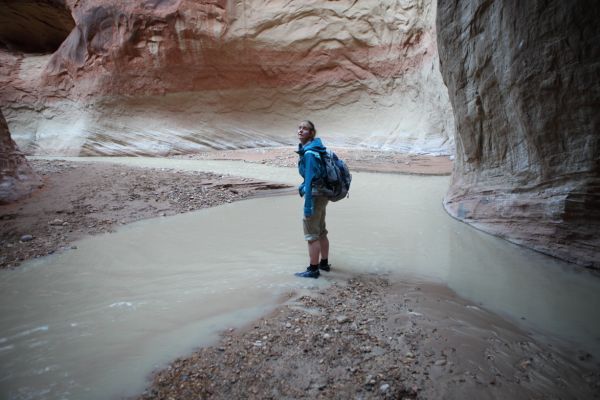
x: 95, y: 321
x: 507, y: 91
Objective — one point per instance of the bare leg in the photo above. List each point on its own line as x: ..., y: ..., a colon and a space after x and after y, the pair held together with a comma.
x: 314, y: 249
x: 324, y: 242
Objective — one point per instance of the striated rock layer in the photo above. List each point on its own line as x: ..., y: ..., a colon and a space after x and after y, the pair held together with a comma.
x: 17, y: 179
x: 523, y: 82
x: 172, y: 76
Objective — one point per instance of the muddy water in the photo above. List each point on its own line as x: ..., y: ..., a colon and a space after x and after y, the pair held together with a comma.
x: 93, y: 322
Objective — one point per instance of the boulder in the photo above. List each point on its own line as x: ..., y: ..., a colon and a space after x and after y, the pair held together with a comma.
x: 523, y: 82
x: 17, y: 179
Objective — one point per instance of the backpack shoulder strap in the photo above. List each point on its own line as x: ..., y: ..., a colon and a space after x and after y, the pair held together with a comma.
x: 314, y: 153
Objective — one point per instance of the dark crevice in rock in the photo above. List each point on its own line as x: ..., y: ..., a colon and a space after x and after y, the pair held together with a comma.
x: 34, y: 26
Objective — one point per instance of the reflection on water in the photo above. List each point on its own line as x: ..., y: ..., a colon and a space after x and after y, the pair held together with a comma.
x: 94, y: 322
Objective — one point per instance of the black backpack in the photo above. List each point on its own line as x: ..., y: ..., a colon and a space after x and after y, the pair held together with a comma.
x: 337, y: 178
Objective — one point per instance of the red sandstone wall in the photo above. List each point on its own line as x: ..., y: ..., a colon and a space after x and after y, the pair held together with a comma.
x: 174, y: 76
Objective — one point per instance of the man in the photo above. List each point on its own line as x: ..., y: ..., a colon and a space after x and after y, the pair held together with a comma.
x: 315, y: 203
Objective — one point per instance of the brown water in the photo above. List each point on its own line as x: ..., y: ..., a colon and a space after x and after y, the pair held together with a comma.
x: 94, y: 322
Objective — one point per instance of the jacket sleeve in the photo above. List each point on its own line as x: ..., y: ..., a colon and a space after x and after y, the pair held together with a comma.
x: 309, y: 174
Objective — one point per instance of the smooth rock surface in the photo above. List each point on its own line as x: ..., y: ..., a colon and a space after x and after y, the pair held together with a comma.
x: 177, y: 76
x: 523, y: 82
x: 17, y: 179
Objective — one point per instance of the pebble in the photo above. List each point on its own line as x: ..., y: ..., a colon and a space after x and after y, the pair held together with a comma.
x: 525, y: 364
x: 26, y: 238
x: 384, y: 388
x: 342, y: 319
x: 56, y: 222
x: 439, y: 363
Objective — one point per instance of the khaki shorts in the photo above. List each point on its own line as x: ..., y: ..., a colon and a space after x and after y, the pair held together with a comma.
x: 314, y: 226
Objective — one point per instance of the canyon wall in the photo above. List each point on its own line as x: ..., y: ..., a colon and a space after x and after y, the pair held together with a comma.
x: 523, y: 81
x: 17, y: 179
x: 175, y: 76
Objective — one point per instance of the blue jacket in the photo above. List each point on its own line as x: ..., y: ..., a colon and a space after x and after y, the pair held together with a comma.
x: 311, y: 169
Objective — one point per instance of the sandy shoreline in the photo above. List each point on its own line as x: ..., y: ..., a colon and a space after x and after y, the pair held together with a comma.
x: 357, y: 159
x: 80, y: 199
x: 364, y: 337
x: 86, y: 198
x: 374, y: 337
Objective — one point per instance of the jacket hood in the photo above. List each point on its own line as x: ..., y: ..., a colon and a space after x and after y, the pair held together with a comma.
x: 314, y: 145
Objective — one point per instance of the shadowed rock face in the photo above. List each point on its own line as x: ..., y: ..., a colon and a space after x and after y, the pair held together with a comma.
x: 34, y: 26
x: 523, y: 82
x: 17, y: 179
x: 160, y: 77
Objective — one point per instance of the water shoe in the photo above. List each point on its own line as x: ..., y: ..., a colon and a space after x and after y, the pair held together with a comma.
x: 325, y: 267
x: 309, y: 273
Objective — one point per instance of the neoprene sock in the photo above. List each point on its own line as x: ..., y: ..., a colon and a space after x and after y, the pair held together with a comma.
x: 324, y: 261
x: 313, y: 267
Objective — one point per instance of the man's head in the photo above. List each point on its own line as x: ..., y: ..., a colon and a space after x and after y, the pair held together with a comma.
x: 306, y: 131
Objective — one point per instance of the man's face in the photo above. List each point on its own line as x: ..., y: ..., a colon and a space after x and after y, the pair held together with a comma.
x: 304, y: 134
